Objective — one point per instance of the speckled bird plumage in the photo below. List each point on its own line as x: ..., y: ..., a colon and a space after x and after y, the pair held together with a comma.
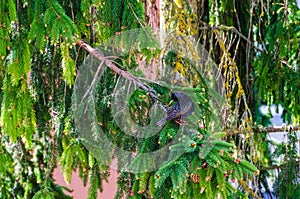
x: 182, y: 108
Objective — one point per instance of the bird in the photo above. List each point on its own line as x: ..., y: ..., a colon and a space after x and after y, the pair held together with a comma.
x: 182, y: 108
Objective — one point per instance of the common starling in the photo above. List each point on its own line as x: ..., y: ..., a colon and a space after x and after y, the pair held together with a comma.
x: 182, y: 108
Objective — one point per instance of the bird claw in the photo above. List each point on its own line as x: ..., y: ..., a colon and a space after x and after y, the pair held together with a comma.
x: 181, y: 122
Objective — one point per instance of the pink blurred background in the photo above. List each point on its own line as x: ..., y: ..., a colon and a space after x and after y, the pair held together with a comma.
x: 80, y: 192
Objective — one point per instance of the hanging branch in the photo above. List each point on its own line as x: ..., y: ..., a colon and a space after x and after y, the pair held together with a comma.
x: 106, y: 61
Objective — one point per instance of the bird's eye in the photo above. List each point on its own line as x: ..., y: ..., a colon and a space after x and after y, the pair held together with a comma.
x: 174, y: 97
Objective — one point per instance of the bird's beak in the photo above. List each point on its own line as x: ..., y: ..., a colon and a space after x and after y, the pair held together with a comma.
x: 170, y: 102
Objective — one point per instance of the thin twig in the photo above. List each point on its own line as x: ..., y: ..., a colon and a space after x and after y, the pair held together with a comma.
x: 93, y: 82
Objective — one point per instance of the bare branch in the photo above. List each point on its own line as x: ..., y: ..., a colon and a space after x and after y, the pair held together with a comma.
x: 278, y: 166
x: 265, y: 130
x: 109, y: 63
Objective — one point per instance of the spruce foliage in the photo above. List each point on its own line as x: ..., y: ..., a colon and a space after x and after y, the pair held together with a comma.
x: 255, y: 46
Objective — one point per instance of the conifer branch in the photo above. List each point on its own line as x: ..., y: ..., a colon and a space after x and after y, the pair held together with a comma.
x: 273, y: 167
x: 98, y: 54
x: 265, y: 130
x: 280, y: 129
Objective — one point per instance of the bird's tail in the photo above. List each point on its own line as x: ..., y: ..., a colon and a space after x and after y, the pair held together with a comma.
x: 161, y: 122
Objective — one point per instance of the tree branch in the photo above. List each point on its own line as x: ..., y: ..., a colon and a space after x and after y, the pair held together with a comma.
x: 277, y: 129
x: 265, y: 130
x: 100, y: 56
x: 278, y: 166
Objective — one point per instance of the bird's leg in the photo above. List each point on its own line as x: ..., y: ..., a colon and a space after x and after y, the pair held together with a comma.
x: 181, y: 122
